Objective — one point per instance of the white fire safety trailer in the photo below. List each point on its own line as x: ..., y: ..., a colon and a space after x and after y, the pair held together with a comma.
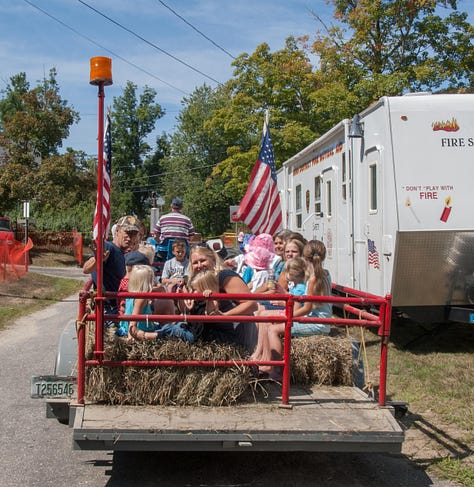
x: 391, y: 194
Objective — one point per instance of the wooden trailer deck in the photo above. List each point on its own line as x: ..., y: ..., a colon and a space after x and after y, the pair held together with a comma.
x: 334, y: 419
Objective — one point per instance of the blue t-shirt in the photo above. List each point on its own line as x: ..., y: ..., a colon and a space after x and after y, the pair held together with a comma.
x: 298, y: 289
x: 113, y: 269
x: 141, y: 325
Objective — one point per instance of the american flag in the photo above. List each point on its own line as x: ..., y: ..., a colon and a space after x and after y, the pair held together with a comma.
x: 260, y: 207
x: 373, y: 258
x: 107, y: 170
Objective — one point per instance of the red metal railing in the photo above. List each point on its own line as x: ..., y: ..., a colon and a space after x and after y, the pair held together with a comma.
x: 354, y: 305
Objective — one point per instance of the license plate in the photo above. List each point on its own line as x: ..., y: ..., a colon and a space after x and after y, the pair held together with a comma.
x: 53, y: 386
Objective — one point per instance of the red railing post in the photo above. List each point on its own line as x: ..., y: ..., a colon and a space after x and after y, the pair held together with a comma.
x: 81, y: 349
x: 384, y: 332
x: 285, y: 392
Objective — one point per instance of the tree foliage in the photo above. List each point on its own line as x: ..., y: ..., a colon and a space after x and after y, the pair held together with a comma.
x: 34, y: 122
x: 196, y: 147
x: 389, y: 47
x: 134, y: 161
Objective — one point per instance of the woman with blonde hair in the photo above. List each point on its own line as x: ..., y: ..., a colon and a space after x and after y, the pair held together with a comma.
x: 201, y: 259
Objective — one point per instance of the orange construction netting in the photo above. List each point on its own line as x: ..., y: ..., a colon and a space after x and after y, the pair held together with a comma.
x: 77, y: 246
x: 14, y: 259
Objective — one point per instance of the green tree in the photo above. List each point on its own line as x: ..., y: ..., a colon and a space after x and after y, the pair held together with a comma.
x: 388, y: 47
x: 281, y: 82
x: 196, y: 148
x: 133, y: 119
x: 34, y: 122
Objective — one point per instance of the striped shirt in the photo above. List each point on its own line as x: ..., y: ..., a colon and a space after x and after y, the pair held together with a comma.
x: 174, y: 225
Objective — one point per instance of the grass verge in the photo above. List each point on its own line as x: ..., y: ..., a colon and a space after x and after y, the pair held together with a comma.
x: 31, y: 293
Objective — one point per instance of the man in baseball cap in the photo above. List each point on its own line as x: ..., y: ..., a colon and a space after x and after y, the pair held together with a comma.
x: 129, y: 224
x: 126, y: 238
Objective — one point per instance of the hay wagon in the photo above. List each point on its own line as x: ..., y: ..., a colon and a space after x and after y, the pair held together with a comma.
x: 174, y: 396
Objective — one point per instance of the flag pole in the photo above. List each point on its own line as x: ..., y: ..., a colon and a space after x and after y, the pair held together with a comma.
x: 266, y: 122
x: 100, y: 75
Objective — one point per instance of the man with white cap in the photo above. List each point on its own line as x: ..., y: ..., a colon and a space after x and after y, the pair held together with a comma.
x: 126, y: 238
x: 174, y: 224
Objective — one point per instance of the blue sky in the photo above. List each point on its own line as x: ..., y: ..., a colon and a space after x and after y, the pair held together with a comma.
x: 33, y: 42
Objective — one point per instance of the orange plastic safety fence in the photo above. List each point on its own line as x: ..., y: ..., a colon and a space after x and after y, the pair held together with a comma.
x: 14, y: 259
x: 77, y: 246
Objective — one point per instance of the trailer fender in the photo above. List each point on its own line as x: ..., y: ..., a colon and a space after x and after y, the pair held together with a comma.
x: 66, y: 358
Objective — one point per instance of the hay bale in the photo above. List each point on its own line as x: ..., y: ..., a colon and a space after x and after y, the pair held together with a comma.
x: 321, y: 360
x: 190, y: 386
x: 315, y: 360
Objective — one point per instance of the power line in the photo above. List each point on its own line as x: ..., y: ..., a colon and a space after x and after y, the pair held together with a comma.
x: 149, y: 43
x: 196, y: 29
x: 103, y: 47
x: 165, y: 173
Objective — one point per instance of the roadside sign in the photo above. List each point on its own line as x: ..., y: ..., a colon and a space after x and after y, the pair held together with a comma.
x: 233, y: 213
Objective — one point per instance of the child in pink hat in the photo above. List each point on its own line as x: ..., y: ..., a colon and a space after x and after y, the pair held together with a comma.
x: 259, y: 259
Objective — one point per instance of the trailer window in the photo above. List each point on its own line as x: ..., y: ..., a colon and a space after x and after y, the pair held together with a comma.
x: 344, y: 177
x: 328, y: 198
x: 373, y: 187
x: 317, y: 195
x: 299, y: 217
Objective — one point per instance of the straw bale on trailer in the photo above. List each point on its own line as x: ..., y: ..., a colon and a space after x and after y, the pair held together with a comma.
x: 321, y: 360
x: 314, y: 360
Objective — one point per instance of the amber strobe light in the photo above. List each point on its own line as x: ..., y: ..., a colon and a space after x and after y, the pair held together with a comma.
x: 101, y: 71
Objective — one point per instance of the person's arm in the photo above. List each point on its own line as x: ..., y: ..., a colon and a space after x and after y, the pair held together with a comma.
x: 166, y: 273
x: 184, y: 305
x: 306, y: 307
x: 191, y: 230
x: 157, y: 231
x: 91, y: 263
x: 235, y: 285
x: 138, y: 306
x: 133, y: 331
x: 283, y: 282
x: 230, y: 264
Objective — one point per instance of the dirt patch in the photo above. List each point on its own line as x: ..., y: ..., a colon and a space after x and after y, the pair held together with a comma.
x: 51, y: 259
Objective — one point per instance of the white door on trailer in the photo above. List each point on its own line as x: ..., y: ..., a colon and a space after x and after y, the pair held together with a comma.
x: 315, y: 225
x: 371, y: 216
x: 329, y: 217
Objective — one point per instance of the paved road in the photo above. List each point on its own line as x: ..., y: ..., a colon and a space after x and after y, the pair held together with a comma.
x: 71, y: 272
x: 35, y: 451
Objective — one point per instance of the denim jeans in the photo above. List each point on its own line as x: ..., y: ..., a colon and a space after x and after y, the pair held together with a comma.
x: 176, y: 330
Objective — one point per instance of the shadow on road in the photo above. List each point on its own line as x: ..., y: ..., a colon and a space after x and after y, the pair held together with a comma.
x: 257, y: 469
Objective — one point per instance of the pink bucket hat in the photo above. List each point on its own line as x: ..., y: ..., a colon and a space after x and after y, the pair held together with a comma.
x: 263, y: 240
x: 259, y: 258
